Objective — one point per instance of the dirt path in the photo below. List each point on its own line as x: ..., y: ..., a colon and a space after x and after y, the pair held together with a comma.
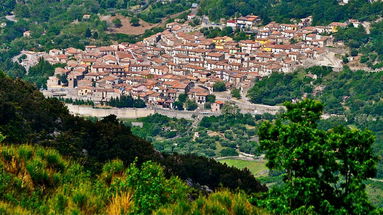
x: 375, y: 179
x: 11, y: 18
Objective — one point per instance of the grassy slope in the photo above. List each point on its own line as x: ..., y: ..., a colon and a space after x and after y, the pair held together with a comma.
x: 258, y: 168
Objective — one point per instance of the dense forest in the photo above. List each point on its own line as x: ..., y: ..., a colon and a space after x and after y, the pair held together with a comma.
x: 323, y: 11
x: 73, y: 165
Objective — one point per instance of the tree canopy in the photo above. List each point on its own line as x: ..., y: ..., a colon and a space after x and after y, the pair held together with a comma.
x: 324, y: 169
x: 323, y: 11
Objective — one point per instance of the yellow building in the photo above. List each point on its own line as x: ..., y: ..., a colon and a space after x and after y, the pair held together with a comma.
x: 221, y: 41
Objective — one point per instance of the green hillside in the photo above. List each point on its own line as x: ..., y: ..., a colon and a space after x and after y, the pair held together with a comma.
x: 36, y: 180
x: 323, y: 11
x: 27, y: 117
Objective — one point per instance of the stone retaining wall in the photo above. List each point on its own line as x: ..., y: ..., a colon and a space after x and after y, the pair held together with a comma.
x: 132, y: 113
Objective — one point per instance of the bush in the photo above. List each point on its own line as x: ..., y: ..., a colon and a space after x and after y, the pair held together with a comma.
x: 364, y: 59
x: 219, y: 86
x: 151, y: 188
x: 354, y: 52
x: 191, y: 105
x: 228, y: 152
x: 221, y: 202
x: 117, y: 23
x: 134, y: 21
x: 236, y: 93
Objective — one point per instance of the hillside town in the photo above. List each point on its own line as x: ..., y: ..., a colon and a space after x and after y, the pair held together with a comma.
x: 182, y: 61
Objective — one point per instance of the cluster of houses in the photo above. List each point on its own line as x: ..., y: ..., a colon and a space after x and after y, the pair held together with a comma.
x: 248, y: 23
x: 178, y: 61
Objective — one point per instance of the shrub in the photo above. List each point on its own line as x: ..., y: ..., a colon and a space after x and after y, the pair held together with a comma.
x: 117, y: 23
x: 236, y: 93
x: 228, y: 152
x: 219, y: 86
x: 54, y: 160
x: 151, y: 188
x: 221, y: 202
x: 191, y: 105
x: 134, y: 21
x: 115, y: 167
x: 25, y: 152
x: 36, y: 170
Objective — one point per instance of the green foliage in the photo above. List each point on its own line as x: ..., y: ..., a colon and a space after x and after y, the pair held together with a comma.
x: 228, y: 152
x: 60, y: 24
x: 176, y: 135
x: 208, y: 171
x: 77, y: 101
x: 151, y: 188
x: 195, y: 22
x: 355, y: 96
x: 222, y: 202
x: 88, y: 33
x: 353, y: 37
x: 323, y: 11
x: 40, y: 73
x: 47, y: 122
x: 159, y: 10
x: 178, y: 105
x: 7, y: 6
x: 362, y: 90
x: 366, y: 44
x: 126, y: 102
x: 230, y: 108
x: 191, y: 105
x: 39, y: 180
x: 278, y: 88
x: 212, y: 32
x: 356, y: 92
x: 257, y: 168
x: 182, y: 98
x: 325, y: 170
x: 134, y: 21
x: 219, y: 86
x: 29, y: 184
x: 375, y: 190
x: 210, y: 98
x: 236, y: 93
x: 2, y: 138
x: 117, y: 23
